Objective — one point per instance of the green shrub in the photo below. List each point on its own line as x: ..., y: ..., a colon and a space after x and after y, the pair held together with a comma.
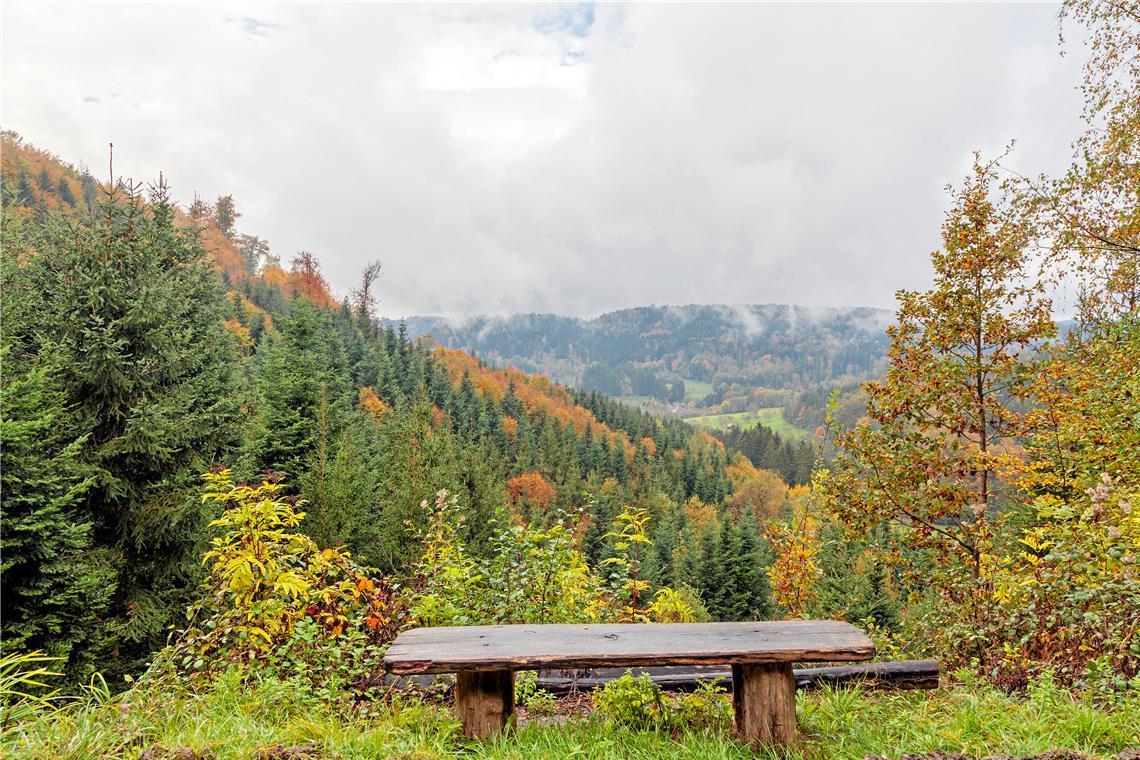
x: 631, y: 701
x: 637, y: 702
x: 541, y: 703
x: 706, y: 707
x: 274, y: 604
x: 526, y: 684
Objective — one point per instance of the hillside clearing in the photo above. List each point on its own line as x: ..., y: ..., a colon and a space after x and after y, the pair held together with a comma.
x: 770, y: 417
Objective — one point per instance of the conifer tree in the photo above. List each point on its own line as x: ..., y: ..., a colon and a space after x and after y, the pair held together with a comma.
x: 131, y: 310
x: 56, y: 583
x: 298, y: 369
x: 340, y: 486
x: 63, y: 188
x: 710, y: 580
x: 226, y: 215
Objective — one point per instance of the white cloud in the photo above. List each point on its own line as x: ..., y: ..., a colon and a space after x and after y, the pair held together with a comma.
x: 569, y: 159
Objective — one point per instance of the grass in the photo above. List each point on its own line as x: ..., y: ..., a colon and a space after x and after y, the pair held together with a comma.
x: 695, y: 390
x: 641, y: 401
x: 238, y: 722
x: 770, y: 416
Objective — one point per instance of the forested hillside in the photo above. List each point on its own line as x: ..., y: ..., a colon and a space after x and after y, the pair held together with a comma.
x: 145, y: 345
x: 770, y: 346
x: 716, y: 358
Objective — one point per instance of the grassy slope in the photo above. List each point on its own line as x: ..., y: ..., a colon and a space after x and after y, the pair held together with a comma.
x: 771, y: 417
x: 695, y: 390
x: 235, y: 723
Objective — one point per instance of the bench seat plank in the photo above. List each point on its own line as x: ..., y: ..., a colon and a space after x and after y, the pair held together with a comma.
x: 551, y: 647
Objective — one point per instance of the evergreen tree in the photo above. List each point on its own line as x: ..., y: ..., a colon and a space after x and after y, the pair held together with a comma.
x: 736, y: 593
x: 226, y: 215
x: 56, y: 584
x: 90, y: 191
x: 297, y: 371
x: 63, y: 188
x: 754, y: 558
x: 132, y: 311
x: 711, y: 573
x: 340, y: 486
x: 25, y: 196
x: 415, y: 462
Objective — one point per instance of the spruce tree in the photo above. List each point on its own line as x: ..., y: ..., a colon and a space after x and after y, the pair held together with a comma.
x: 298, y: 369
x: 56, y: 583
x: 63, y: 188
x: 131, y: 309
x: 340, y: 486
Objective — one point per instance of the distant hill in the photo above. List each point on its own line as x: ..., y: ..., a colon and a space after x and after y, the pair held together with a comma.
x: 750, y: 356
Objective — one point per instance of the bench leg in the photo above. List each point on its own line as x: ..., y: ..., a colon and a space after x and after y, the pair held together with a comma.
x: 764, y: 698
x: 484, y: 701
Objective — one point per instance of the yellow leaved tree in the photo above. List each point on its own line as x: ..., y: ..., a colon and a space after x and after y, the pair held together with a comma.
x: 266, y: 581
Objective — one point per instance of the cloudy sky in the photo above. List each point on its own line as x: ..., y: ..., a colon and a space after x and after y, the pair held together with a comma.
x: 573, y: 159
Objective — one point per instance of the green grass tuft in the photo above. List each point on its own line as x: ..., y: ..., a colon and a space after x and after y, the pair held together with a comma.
x: 237, y: 722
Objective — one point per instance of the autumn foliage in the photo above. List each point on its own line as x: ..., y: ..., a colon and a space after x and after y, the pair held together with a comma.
x: 537, y: 392
x: 371, y: 403
x: 531, y: 489
x: 41, y: 180
x: 997, y: 467
x: 795, y: 570
x: 268, y: 581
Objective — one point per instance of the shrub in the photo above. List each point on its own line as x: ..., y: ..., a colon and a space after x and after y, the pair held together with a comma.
x: 1071, y: 596
x: 272, y: 598
x: 674, y: 606
x: 706, y: 707
x: 631, y: 701
x: 637, y: 702
x: 531, y: 575
x: 541, y: 703
x: 540, y: 576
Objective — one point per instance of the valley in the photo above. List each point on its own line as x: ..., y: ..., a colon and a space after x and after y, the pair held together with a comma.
x: 701, y: 363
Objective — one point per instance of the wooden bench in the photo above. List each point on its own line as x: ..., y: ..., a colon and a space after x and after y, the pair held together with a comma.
x: 485, y: 658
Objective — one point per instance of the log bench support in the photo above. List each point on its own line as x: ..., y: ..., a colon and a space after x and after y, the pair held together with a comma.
x: 484, y: 701
x: 764, y: 701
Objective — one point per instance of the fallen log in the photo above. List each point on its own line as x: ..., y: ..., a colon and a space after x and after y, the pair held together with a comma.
x: 904, y: 674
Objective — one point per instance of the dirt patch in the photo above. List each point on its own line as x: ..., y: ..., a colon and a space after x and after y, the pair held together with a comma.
x: 159, y: 752
x: 566, y: 708
x: 282, y: 752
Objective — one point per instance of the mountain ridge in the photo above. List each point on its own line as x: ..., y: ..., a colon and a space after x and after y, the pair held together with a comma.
x: 655, y: 351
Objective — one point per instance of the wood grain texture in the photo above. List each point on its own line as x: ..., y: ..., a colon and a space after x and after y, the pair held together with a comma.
x: 484, y: 701
x: 904, y: 674
x: 764, y: 700
x: 553, y: 647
